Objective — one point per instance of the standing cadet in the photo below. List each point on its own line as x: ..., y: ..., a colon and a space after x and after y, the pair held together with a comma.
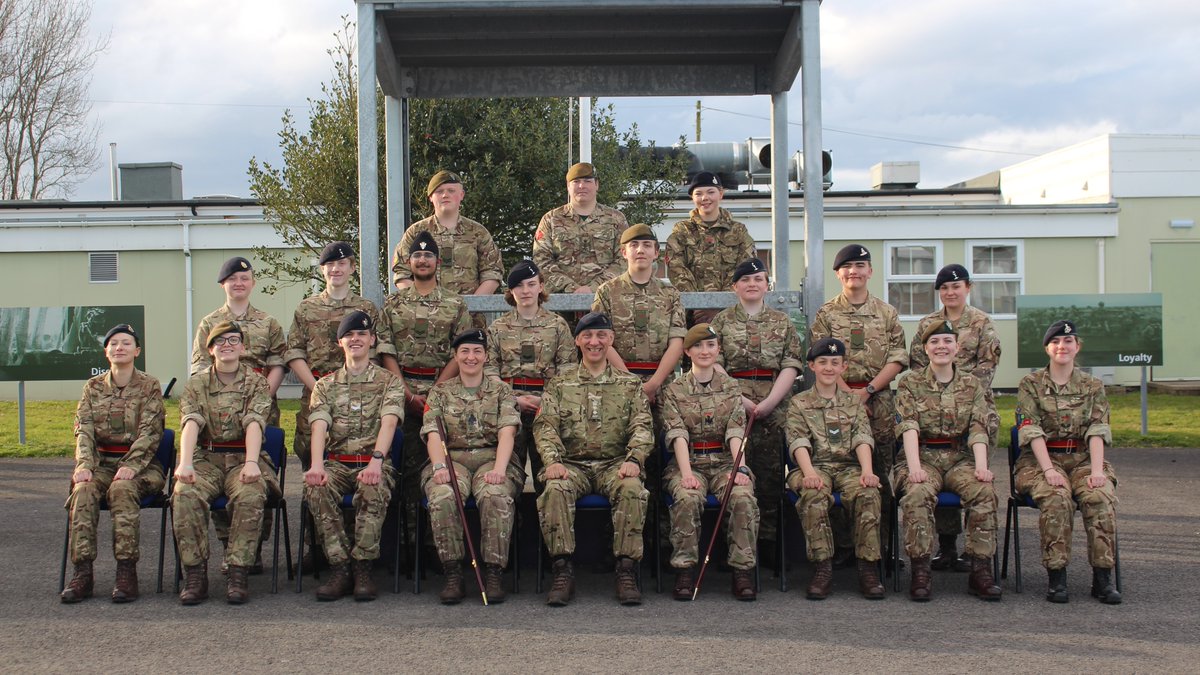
x: 702, y: 414
x: 422, y: 320
x: 594, y: 433
x: 526, y: 348
x: 264, y: 347
x: 355, y: 412
x: 118, y: 426
x: 829, y: 438
x: 224, y: 409
x: 480, y: 422
x: 577, y: 245
x: 761, y: 349
x: 703, y: 250
x: 870, y: 329
x: 1064, y: 432
x: 942, y: 417
x: 978, y: 354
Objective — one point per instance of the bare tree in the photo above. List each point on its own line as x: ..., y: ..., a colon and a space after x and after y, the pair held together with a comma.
x: 47, y: 141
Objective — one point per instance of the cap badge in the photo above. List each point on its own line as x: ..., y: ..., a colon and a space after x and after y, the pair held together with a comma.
x: 954, y: 274
x: 1067, y: 329
x: 243, y: 264
x: 832, y: 349
x: 862, y: 251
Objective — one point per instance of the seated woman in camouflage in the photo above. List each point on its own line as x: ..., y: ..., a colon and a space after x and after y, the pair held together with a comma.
x: 224, y: 411
x: 1062, y: 415
x: 942, y: 416
x: 702, y: 413
x: 118, y: 426
x: 480, y: 423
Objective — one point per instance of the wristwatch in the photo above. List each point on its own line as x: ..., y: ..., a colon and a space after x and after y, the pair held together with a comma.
x: 439, y: 466
x: 871, y: 388
x: 377, y: 455
x: 744, y: 470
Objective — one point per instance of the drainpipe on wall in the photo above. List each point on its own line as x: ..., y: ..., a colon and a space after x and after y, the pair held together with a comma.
x: 187, y: 293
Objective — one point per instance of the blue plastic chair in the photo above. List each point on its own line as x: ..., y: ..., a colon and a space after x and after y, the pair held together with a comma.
x: 591, y: 502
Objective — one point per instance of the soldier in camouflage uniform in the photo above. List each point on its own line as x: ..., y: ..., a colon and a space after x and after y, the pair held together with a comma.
x: 526, y: 348
x: 761, y: 349
x: 480, y: 422
x: 577, y: 245
x: 702, y: 413
x: 1064, y: 431
x: 422, y: 320
x: 594, y: 433
x: 703, y: 250
x: 870, y: 329
x: 355, y: 412
x: 264, y: 348
x: 942, y: 417
x: 978, y: 354
x: 223, y: 409
x: 829, y: 438
x: 118, y: 426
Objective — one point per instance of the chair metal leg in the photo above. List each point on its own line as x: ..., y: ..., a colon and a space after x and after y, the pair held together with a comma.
x: 895, y: 544
x: 1016, y: 531
x: 1008, y: 513
x: 657, y: 556
x: 781, y: 544
x: 514, y: 553
x: 1117, y: 562
x: 162, y: 543
x: 275, y: 552
x: 401, y: 543
x: 420, y: 536
x: 62, y: 572
x: 300, y: 548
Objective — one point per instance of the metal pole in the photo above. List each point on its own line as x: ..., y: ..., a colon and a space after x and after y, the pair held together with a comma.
x: 1144, y: 429
x: 368, y: 159
x: 570, y: 133
x: 585, y: 129
x: 395, y: 143
x: 814, y: 195
x: 112, y: 167
x: 780, y: 229
x: 21, y: 411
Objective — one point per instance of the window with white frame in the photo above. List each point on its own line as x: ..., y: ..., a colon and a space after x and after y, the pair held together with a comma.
x: 997, y: 275
x: 910, y: 269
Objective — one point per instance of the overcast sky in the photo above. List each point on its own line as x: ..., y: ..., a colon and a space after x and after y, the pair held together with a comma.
x: 962, y: 87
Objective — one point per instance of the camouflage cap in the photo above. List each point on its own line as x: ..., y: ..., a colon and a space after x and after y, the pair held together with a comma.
x: 593, y: 321
x: 232, y: 266
x: 469, y: 337
x: 700, y: 331
x: 122, y: 328
x: 950, y: 273
x: 937, y: 328
x: 826, y: 347
x: 748, y: 266
x: 1060, y: 327
x: 521, y: 272
x: 439, y: 179
x: 354, y: 321
x: 221, y: 329
x: 338, y: 250
x: 580, y: 170
x: 851, y: 253
x: 423, y: 242
x: 638, y: 231
x: 704, y: 179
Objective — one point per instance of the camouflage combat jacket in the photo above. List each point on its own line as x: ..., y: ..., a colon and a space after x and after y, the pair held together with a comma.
x: 830, y: 429
x: 872, y: 333
x: 957, y: 410
x: 313, y: 336
x: 108, y: 415
x: 354, y: 405
x: 472, y: 419
x: 644, y: 317
x: 468, y: 254
x: 1073, y: 411
x: 978, y: 343
x: 573, y: 251
x: 589, y: 418
x: 531, y: 350
x: 223, y: 411
x: 261, y: 334
x: 766, y: 341
x: 701, y: 256
x: 698, y: 413
x: 422, y: 326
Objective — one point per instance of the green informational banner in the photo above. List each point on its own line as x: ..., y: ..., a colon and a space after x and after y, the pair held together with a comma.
x: 60, y: 343
x: 1118, y: 329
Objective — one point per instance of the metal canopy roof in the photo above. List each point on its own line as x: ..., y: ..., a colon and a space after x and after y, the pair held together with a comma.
x: 593, y: 48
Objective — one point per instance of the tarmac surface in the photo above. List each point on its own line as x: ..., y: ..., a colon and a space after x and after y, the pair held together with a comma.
x: 1157, y: 629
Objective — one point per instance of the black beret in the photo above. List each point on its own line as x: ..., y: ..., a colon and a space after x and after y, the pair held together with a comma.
x: 701, y: 331
x: 122, y: 328
x: 748, y: 266
x: 937, y: 328
x: 338, y: 250
x: 1060, y: 327
x: 522, y: 271
x: 439, y: 179
x: 234, y: 264
x: 592, y: 321
x: 704, y: 179
x: 950, y: 273
x: 354, y: 321
x: 826, y: 347
x: 423, y: 242
x: 851, y: 253
x: 469, y: 337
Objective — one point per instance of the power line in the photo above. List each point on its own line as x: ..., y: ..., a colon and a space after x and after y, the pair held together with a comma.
x: 195, y: 104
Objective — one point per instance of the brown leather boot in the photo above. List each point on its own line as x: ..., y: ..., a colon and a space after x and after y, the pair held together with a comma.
x: 921, y: 587
x: 195, y: 584
x: 562, y: 587
x: 126, y: 588
x: 364, y: 586
x: 868, y: 580
x: 821, y: 583
x: 237, y: 585
x: 685, y: 582
x: 743, y: 585
x: 493, y: 583
x: 981, y: 583
x: 627, y: 588
x: 455, y: 589
x: 339, y: 584
x: 80, y: 586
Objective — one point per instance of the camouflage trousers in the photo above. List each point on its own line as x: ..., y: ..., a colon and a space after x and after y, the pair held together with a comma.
x: 1057, y: 506
x: 219, y: 473
x: 220, y: 519
x: 629, y: 497
x: 123, y: 497
x: 881, y: 410
x: 302, y: 440
x: 949, y: 519
x: 741, y: 515
x: 954, y: 471
x: 370, y: 505
x: 764, y: 459
x: 862, y: 507
x: 497, y: 506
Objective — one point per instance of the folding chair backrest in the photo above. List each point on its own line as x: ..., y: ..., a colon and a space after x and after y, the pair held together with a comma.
x: 273, y: 445
x: 165, y: 454
x: 1014, y: 448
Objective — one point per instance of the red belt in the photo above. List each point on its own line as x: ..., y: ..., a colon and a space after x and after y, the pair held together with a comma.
x: 227, y: 446
x: 317, y: 374
x: 530, y: 383
x: 350, y: 459
x: 642, y: 366
x: 858, y: 385
x: 754, y: 374
x: 1066, y: 446
x: 420, y: 373
x: 937, y: 441
x: 707, y: 447
x: 258, y: 370
x: 113, y: 449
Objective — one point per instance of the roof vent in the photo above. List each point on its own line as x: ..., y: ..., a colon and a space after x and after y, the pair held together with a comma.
x: 154, y: 181
x: 895, y: 175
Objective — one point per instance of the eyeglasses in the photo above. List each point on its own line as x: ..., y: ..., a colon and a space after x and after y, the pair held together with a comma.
x: 232, y: 340
x: 424, y: 255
